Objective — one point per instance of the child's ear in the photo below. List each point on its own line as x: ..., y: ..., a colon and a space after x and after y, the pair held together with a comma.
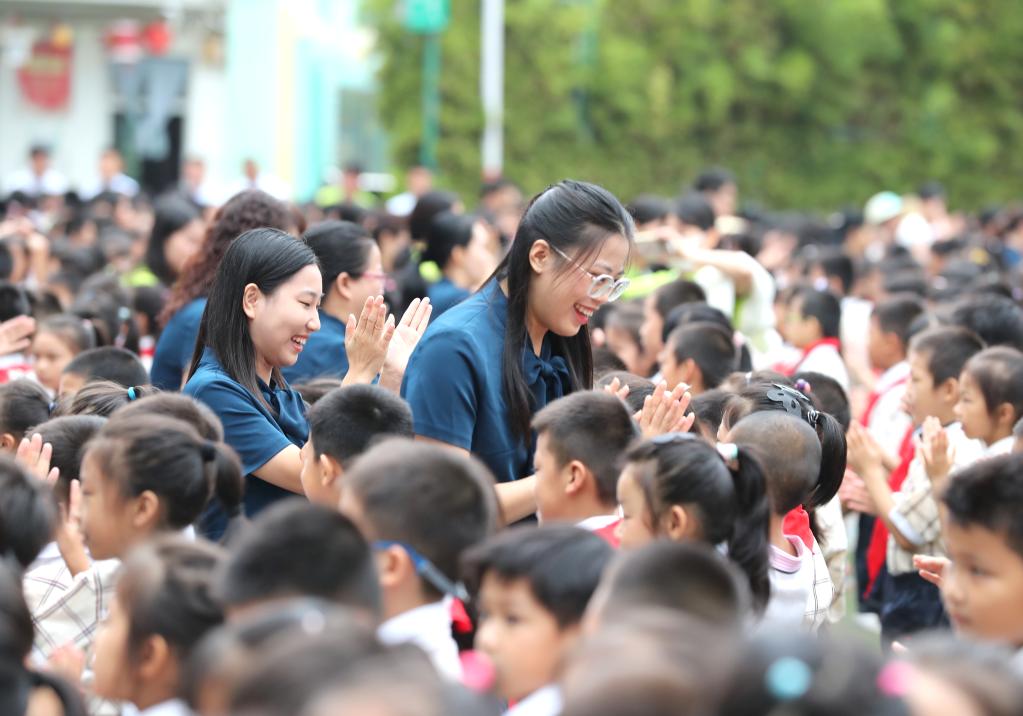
x: 677, y: 523
x: 146, y: 511
x: 394, y: 566
x: 948, y: 391
x: 1005, y: 414
x: 330, y: 470
x: 577, y: 475
x: 251, y: 297
x: 8, y: 442
x: 153, y: 659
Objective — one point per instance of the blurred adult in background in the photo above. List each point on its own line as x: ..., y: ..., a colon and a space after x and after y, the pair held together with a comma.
x: 503, y: 199
x: 253, y: 177
x: 177, y: 234
x: 718, y: 186
x: 418, y: 181
x: 194, y: 186
x: 460, y: 246
x: 897, y: 224
x: 38, y: 179
x: 111, y: 178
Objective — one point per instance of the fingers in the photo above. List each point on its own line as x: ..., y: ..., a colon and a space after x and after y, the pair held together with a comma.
x: 53, y: 476
x: 387, y: 330
x: 686, y: 423
x: 74, y: 510
x: 408, y: 318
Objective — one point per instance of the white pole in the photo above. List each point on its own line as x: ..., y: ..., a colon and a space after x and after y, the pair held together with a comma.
x: 492, y: 86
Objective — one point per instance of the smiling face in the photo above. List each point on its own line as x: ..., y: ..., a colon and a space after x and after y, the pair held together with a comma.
x: 183, y: 244
x: 280, y: 322
x: 559, y: 299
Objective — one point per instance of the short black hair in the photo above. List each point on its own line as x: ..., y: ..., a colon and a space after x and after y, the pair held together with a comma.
x: 28, y: 513
x: 68, y: 435
x: 648, y: 207
x: 606, y: 361
x: 693, y: 209
x: 562, y: 565
x: 299, y: 549
x: 828, y: 395
x: 13, y: 301
x: 713, y: 179
x: 346, y: 422
x: 109, y: 363
x: 639, y: 387
x: 709, y: 407
x: 823, y: 306
x: 592, y: 427
x: 694, y: 312
x: 23, y: 403
x: 998, y: 373
x: 834, y: 263
x: 947, y: 349
x: 709, y: 346
x: 687, y: 577
x: 674, y: 294
x: 989, y: 494
x: 897, y: 313
x: 436, y: 501
x: 789, y: 452
x: 996, y: 319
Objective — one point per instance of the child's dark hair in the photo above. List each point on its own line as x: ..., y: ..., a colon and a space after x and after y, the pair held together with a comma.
x: 627, y: 318
x: 688, y: 577
x: 109, y: 363
x: 771, y: 397
x: 23, y: 403
x: 425, y: 496
x: 689, y: 313
x: 728, y: 499
x: 76, y: 333
x: 897, y: 313
x: 998, y: 373
x: 298, y: 549
x: 28, y: 513
x: 989, y: 494
x: 169, y: 458
x: 68, y: 435
x: 592, y: 427
x: 103, y: 397
x: 606, y: 361
x: 164, y: 588
x: 180, y: 407
x: 789, y: 452
x: 827, y: 395
x: 823, y: 306
x: 347, y: 421
x: 672, y: 295
x: 639, y: 387
x: 13, y: 301
x: 709, y: 346
x: 709, y: 407
x: 947, y: 350
x: 996, y: 319
x: 562, y: 565
x: 312, y: 391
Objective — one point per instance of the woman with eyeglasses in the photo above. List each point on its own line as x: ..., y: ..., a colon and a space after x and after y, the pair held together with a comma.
x: 487, y: 365
x: 349, y: 260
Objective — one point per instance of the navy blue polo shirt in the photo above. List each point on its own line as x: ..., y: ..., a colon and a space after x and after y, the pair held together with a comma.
x: 444, y: 295
x: 323, y: 355
x: 255, y: 433
x: 453, y: 383
x: 173, y: 355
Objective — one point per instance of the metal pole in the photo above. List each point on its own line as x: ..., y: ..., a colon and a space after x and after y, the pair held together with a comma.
x: 431, y: 100
x: 492, y: 87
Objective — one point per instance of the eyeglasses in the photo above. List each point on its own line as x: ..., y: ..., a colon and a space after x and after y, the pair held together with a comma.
x: 603, y: 286
x: 389, y: 283
x: 428, y: 570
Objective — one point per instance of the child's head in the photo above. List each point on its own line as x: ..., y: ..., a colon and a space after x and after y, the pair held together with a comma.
x: 57, y: 341
x: 343, y: 425
x: 680, y: 487
x: 297, y: 549
x: 659, y: 304
x: 28, y: 513
x: 690, y: 578
x: 827, y: 395
x: 781, y: 398
x: 151, y: 474
x: 532, y: 586
x: 580, y: 444
x: 812, y: 315
x: 103, y: 397
x: 991, y: 394
x: 314, y: 390
x: 107, y: 363
x: 936, y: 360
x: 178, y: 406
x: 13, y: 301
x: 709, y: 408
x: 639, y: 387
x: 420, y: 506
x: 68, y: 435
x: 889, y: 333
x: 22, y: 404
x: 699, y: 354
x: 161, y: 610
x: 624, y: 338
x: 984, y: 535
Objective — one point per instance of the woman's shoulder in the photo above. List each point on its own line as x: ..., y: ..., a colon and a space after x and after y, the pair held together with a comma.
x: 477, y: 317
x: 188, y: 314
x: 210, y: 378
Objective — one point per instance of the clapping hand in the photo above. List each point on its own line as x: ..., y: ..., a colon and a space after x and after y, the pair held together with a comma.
x: 367, y: 340
x: 665, y: 412
x: 937, y: 453
x: 406, y: 336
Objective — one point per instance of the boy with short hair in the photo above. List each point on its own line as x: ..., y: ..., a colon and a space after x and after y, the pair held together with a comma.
x: 580, y: 442
x: 812, y: 325
x: 533, y: 585
x: 420, y: 506
x: 700, y: 354
x: 106, y: 363
x: 984, y: 534
x: 904, y: 502
x: 297, y: 549
x: 343, y: 424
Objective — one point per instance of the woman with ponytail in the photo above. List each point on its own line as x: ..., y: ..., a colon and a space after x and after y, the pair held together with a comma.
x: 679, y: 487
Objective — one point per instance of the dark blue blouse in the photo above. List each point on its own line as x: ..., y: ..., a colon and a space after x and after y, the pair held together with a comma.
x: 323, y: 355
x: 444, y: 295
x: 173, y: 355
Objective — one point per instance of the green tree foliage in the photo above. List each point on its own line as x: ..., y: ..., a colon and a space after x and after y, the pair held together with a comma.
x: 812, y: 104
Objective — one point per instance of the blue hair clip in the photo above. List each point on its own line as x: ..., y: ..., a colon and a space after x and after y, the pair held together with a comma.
x: 132, y: 395
x: 428, y: 571
x: 788, y: 679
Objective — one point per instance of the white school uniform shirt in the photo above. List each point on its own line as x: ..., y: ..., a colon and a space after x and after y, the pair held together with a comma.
x: 825, y: 358
x: 1002, y: 447
x: 597, y: 522
x: 888, y: 422
x: 173, y: 707
x: 801, y: 590
x: 429, y: 628
x: 545, y: 701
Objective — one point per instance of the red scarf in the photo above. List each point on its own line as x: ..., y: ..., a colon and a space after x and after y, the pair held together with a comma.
x: 877, y: 550
x: 875, y: 396
x: 797, y: 524
x: 793, y: 368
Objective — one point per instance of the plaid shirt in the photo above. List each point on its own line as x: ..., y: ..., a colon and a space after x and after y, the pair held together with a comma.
x: 801, y: 588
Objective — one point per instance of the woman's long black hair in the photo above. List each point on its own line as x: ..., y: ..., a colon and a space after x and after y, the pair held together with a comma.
x: 572, y: 217
x: 340, y: 247
x: 267, y: 258
x: 170, y: 215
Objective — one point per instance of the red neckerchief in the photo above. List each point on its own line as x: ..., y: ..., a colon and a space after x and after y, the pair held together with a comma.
x: 877, y: 550
x: 875, y: 396
x: 609, y: 533
x: 794, y: 368
x: 797, y: 524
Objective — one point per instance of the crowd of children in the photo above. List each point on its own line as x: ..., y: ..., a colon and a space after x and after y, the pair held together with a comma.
x: 567, y: 456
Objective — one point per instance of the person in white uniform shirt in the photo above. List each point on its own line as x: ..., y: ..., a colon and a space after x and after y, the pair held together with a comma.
x: 812, y: 325
x: 38, y: 179
x: 991, y: 398
x: 421, y: 506
x: 111, y: 177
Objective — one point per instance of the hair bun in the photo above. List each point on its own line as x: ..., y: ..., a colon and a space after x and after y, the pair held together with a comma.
x: 208, y: 451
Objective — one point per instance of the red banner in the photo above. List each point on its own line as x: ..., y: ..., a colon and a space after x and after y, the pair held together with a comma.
x: 45, y: 78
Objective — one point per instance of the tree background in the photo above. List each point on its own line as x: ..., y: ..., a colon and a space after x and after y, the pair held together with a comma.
x: 811, y: 104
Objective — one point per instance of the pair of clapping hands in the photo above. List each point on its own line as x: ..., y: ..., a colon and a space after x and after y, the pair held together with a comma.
x: 376, y: 345
x: 663, y: 411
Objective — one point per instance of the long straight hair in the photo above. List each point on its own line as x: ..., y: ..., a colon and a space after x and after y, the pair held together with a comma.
x: 266, y: 258
x: 570, y: 216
